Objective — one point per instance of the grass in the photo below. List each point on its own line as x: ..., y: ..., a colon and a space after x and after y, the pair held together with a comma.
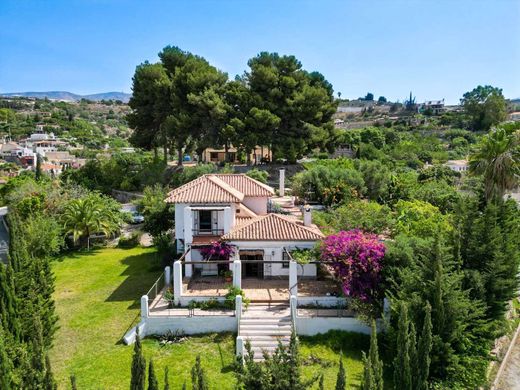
x: 97, y: 299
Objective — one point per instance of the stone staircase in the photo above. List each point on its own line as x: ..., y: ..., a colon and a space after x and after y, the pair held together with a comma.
x: 264, y: 325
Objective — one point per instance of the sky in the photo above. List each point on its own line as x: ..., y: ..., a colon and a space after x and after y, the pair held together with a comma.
x: 435, y: 49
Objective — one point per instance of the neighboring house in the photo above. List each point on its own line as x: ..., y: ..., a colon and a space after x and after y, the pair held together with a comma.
x: 457, y: 165
x: 515, y: 116
x: 233, y: 208
x: 65, y: 160
x: 338, y: 122
x: 258, y: 155
x: 434, y: 106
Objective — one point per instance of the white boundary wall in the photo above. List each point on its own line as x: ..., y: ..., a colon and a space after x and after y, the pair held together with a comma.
x: 310, y: 326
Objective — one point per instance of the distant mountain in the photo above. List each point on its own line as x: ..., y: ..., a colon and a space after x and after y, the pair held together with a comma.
x: 69, y: 96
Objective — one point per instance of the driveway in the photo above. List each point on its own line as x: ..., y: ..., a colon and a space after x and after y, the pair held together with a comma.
x: 4, y: 236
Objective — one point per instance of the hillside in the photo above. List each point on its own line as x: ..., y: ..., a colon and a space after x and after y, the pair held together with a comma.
x: 69, y: 96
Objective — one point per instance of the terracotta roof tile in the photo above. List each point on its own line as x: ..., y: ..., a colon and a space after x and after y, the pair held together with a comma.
x: 205, y: 189
x: 274, y: 227
x: 219, y: 188
x: 246, y: 185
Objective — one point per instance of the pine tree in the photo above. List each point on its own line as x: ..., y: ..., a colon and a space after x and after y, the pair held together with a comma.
x: 402, y: 373
x: 73, y: 385
x: 138, y: 365
x: 341, y: 379
x: 424, y: 349
x: 166, y: 382
x: 198, y: 376
x: 152, y: 379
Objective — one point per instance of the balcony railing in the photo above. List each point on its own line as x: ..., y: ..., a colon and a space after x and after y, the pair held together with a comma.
x: 208, y: 232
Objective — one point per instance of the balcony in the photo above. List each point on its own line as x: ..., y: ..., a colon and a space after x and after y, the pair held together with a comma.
x: 207, y: 232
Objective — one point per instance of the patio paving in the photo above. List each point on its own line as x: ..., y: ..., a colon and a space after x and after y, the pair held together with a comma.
x: 258, y: 289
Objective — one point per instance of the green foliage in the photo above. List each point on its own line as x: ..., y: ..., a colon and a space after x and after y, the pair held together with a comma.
x: 43, y: 236
x: 138, y: 365
x: 158, y: 215
x: 152, y: 379
x: 402, y: 369
x: 198, y: 376
x: 328, y: 186
x: 357, y: 214
x: 421, y: 219
x: 497, y: 159
x: 259, y: 175
x: 485, y: 105
x: 130, y: 241
x: 231, y: 296
x: 92, y: 214
x: 341, y: 379
x: 373, y: 366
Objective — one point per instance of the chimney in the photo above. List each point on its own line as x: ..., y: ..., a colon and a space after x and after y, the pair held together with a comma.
x: 307, y: 216
x: 281, y: 189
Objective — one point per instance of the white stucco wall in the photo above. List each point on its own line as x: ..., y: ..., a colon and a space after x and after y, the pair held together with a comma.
x: 322, y: 301
x: 257, y: 204
x: 179, y: 221
x: 310, y: 326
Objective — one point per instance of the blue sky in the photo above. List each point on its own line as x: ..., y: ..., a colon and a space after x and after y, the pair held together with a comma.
x: 437, y: 49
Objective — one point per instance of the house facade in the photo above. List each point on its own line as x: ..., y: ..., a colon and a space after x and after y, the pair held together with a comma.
x: 232, y: 208
x: 258, y: 155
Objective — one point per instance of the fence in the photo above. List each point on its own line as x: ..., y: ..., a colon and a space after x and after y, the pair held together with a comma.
x: 157, y: 287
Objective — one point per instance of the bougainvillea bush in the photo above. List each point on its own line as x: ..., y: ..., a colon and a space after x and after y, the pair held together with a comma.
x: 356, y: 258
x: 217, y: 250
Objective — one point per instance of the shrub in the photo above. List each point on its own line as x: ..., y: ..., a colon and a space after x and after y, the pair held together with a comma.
x: 259, y: 175
x: 130, y: 241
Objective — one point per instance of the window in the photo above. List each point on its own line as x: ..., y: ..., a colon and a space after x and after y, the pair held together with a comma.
x: 205, y: 220
x: 285, y: 257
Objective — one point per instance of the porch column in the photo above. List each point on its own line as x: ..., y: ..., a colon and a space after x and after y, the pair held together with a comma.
x: 167, y: 277
x: 188, y: 226
x: 177, y: 281
x: 293, y: 278
x: 188, y: 268
x: 237, y: 273
x: 144, y: 306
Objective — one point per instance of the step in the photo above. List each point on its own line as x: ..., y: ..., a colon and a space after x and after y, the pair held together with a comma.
x: 267, y: 338
x: 265, y: 321
x: 262, y: 326
x: 266, y: 343
x: 268, y: 332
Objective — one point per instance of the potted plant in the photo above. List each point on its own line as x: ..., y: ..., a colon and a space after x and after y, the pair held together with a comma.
x: 228, y: 276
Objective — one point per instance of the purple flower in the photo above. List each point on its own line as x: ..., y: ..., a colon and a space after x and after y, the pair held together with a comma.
x: 356, y: 259
x: 217, y: 250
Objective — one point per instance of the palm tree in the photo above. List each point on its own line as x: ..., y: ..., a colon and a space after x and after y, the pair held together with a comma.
x: 498, y: 161
x: 92, y: 214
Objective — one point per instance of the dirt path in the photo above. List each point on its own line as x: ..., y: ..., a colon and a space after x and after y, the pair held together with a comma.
x: 511, y: 375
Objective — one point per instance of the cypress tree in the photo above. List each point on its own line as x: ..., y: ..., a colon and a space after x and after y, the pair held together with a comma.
x: 402, y: 373
x: 49, y: 382
x: 73, y: 385
x: 5, y: 364
x: 9, y: 320
x: 138, y: 365
x: 320, y: 383
x: 341, y: 379
x: 166, y: 382
x: 198, y: 376
x: 294, y: 362
x: 375, y: 363
x: 38, y: 173
x: 368, y: 381
x: 152, y: 379
x: 424, y: 349
x: 412, y: 354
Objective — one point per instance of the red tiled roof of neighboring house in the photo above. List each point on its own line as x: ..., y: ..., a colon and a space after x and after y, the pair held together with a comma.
x: 219, y: 188
x: 274, y: 227
x: 246, y: 185
x: 204, y: 189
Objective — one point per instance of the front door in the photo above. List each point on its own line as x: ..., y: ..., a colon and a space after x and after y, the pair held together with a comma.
x: 255, y: 269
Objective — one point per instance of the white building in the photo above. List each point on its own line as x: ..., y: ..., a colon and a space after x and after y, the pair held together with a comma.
x: 233, y: 208
x: 457, y: 165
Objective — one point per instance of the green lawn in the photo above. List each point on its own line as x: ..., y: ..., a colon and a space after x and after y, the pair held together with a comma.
x: 97, y: 300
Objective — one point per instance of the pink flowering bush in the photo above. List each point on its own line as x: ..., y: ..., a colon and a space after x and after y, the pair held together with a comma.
x: 217, y: 250
x: 356, y: 259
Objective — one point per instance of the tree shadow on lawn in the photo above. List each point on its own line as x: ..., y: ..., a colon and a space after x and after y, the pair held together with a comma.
x: 77, y: 254
x: 141, y: 272
x: 349, y: 343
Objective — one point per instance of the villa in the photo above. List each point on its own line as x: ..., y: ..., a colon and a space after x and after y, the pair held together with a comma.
x: 233, y: 208
x: 231, y: 211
